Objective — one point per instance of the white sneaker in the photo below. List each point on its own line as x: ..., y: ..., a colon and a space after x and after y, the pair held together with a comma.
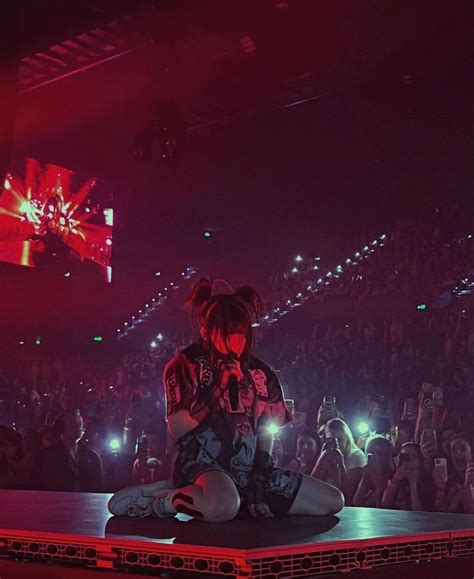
x: 137, y: 501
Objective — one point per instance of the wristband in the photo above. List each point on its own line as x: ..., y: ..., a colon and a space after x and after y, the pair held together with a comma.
x: 262, y: 464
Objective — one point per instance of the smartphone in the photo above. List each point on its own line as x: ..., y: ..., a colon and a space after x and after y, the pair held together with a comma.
x: 375, y: 462
x: 410, y: 408
x: 329, y: 403
x: 330, y: 444
x: 441, y: 467
x: 438, y: 396
x: 428, y: 435
x: 291, y: 405
x: 428, y: 399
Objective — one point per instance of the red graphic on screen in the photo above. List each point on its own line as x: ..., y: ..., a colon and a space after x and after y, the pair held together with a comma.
x: 41, y: 217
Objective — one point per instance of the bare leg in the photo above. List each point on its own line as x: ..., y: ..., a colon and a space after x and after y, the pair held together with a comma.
x: 316, y: 497
x: 213, y: 497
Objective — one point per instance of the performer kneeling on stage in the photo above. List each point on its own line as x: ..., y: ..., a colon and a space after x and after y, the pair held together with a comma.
x: 220, y: 403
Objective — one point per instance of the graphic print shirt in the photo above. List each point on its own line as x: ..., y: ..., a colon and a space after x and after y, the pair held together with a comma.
x: 260, y: 399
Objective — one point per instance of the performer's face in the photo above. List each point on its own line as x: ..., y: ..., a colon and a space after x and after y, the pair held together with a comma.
x: 234, y: 345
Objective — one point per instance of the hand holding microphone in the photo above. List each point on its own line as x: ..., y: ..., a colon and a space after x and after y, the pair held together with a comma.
x: 230, y: 377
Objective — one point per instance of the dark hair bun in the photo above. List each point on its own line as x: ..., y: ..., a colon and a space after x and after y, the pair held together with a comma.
x: 251, y: 298
x: 200, y: 295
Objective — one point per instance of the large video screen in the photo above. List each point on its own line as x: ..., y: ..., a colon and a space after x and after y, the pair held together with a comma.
x: 47, y: 219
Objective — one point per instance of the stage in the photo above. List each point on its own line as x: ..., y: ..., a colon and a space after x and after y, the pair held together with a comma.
x: 76, y: 529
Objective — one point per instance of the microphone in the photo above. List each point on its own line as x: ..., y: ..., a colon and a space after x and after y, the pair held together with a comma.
x: 233, y: 392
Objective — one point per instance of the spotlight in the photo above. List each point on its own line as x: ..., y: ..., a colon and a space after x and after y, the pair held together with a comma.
x: 273, y: 429
x: 115, y: 445
x: 363, y: 427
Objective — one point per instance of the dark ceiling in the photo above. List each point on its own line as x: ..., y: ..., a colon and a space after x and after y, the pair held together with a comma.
x: 303, y: 122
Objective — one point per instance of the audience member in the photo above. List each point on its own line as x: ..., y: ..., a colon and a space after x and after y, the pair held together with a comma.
x: 69, y: 465
x: 409, y: 489
x: 376, y: 473
x: 341, y: 461
x: 308, y: 449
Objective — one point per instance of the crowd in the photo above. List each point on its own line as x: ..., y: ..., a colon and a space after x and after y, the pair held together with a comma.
x: 382, y: 406
x: 386, y: 356
x: 420, y: 461
x: 413, y: 257
x: 383, y: 409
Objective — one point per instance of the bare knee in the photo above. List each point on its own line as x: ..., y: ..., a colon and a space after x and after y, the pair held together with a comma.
x: 331, y: 501
x: 317, y: 498
x: 220, y: 500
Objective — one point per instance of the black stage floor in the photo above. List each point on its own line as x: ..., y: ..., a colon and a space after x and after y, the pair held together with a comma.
x: 76, y: 528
